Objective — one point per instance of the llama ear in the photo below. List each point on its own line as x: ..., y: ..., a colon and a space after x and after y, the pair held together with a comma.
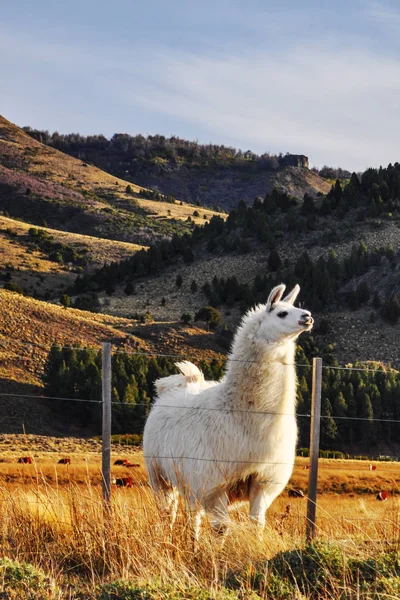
x: 275, y: 296
x: 291, y: 297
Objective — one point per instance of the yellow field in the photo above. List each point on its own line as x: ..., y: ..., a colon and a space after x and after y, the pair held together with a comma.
x: 53, y: 516
x: 346, y: 502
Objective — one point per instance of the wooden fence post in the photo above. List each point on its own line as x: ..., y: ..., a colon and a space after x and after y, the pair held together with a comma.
x: 314, y: 448
x: 106, y: 422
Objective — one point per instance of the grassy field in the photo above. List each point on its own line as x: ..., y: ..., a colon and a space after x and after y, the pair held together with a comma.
x: 53, y: 518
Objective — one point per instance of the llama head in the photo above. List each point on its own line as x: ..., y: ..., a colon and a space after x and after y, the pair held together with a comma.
x: 283, y: 320
x: 275, y: 322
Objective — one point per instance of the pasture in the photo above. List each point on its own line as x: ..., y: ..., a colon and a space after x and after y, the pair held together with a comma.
x: 52, y: 516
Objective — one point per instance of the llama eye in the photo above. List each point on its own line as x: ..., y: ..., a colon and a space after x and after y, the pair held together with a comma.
x: 283, y: 314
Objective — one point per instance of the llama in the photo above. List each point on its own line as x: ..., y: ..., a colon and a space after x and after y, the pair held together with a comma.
x: 219, y: 442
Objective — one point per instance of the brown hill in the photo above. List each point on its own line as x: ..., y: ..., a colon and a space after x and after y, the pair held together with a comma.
x: 36, y: 270
x: 226, y: 186
x: 208, y: 174
x: 44, y: 186
x: 30, y: 327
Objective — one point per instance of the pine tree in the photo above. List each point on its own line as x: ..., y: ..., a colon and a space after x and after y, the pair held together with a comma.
x: 274, y: 261
x: 65, y: 300
x: 391, y: 309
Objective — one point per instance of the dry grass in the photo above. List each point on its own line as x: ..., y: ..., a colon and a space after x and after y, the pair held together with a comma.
x: 100, y: 250
x: 34, y: 272
x: 20, y: 150
x: 28, y: 320
x: 53, y: 517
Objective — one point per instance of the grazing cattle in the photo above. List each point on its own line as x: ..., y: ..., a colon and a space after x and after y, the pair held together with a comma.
x: 64, y: 461
x: 296, y: 493
x: 125, y: 463
x: 306, y: 467
x: 25, y: 460
x: 382, y: 496
x: 123, y: 482
x: 372, y: 467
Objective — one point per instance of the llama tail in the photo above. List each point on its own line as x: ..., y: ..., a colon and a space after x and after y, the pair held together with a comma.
x: 189, y: 374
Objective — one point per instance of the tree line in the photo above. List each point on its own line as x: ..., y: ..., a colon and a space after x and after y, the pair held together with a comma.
x: 77, y: 372
x: 124, y: 150
x: 352, y: 400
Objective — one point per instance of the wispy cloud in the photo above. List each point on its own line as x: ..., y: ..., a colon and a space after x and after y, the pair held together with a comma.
x: 337, y: 106
x: 335, y: 102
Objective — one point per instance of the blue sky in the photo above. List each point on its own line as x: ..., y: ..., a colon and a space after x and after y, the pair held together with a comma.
x: 316, y: 77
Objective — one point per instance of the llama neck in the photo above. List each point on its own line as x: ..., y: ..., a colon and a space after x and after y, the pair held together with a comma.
x: 264, y: 379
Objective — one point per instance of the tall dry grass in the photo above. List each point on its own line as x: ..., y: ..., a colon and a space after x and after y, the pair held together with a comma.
x: 60, y: 525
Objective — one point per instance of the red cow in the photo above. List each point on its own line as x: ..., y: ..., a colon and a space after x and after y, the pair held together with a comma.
x: 123, y: 482
x: 372, y: 467
x: 25, y: 460
x: 64, y: 461
x: 382, y: 496
x: 306, y: 467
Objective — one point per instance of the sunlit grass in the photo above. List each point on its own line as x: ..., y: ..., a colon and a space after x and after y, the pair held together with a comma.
x: 53, y: 516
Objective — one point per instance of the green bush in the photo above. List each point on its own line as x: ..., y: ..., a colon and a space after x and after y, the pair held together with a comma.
x: 11, y: 286
x: 120, y: 590
x: 319, y: 570
x: 23, y: 581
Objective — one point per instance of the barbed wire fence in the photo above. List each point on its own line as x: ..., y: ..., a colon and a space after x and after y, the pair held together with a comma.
x: 106, y: 403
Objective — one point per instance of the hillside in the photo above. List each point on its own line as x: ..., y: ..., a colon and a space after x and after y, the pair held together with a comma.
x: 30, y: 327
x: 343, y: 250
x: 209, y: 174
x: 356, y: 338
x: 342, y: 247
x: 38, y: 265
x: 48, y: 188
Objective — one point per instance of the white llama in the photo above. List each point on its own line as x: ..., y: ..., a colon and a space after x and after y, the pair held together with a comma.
x: 234, y: 440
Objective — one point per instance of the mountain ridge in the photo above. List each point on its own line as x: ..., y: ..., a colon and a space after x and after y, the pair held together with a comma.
x: 209, y: 174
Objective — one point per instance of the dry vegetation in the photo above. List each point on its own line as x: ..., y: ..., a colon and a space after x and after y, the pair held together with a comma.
x: 70, y: 176
x: 33, y: 271
x: 53, y: 517
x: 27, y: 321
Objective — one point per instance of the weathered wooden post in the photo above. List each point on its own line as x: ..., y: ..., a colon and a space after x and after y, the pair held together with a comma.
x: 106, y: 423
x: 314, y: 448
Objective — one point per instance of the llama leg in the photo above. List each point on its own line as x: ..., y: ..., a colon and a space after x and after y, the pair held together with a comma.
x: 220, y: 516
x: 260, y: 500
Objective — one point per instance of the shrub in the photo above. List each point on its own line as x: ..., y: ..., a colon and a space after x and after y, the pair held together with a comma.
x: 11, y: 286
x: 129, y: 288
x: 390, y: 310
x: 24, y: 581
x: 210, y: 315
x: 65, y: 300
x: 123, y: 590
x: 89, y: 301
